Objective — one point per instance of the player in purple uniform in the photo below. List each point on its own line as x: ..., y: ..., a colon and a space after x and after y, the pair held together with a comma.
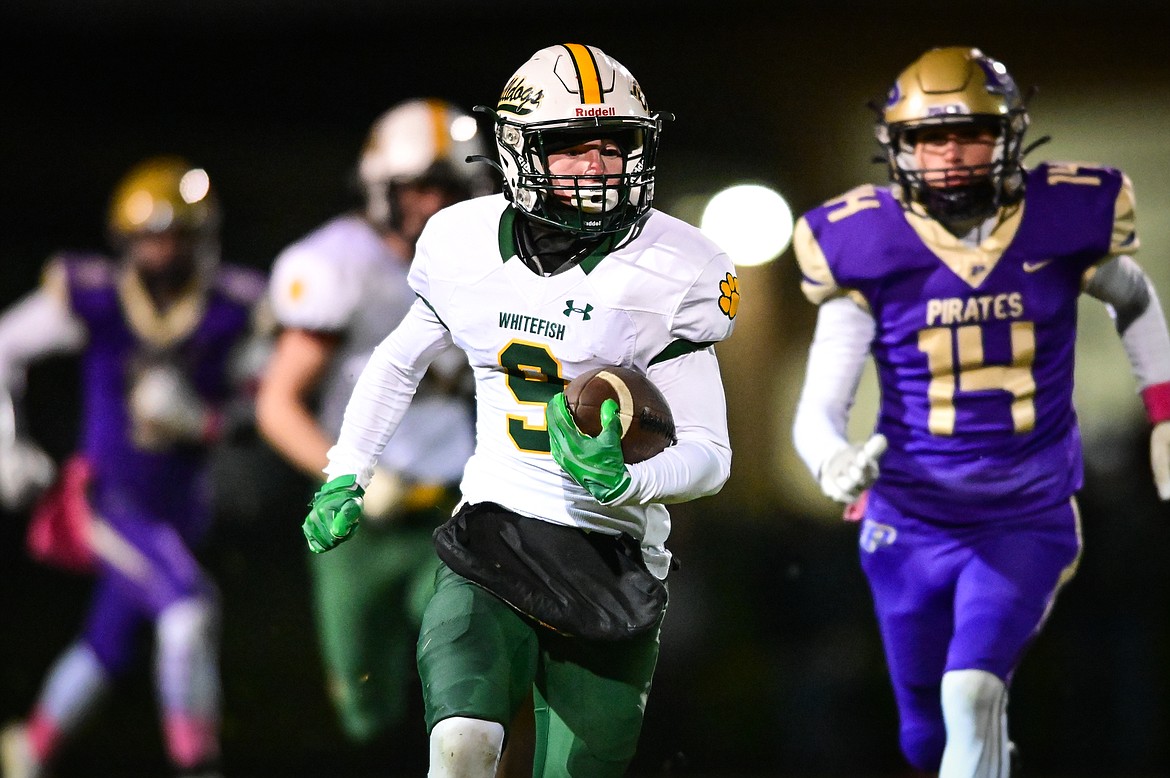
x: 962, y: 279
x: 156, y: 333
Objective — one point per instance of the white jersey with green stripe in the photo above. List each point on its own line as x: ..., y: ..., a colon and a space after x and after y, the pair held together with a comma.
x: 656, y: 299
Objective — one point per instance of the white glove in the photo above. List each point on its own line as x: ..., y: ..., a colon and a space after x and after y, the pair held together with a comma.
x: 25, y: 471
x: 384, y: 496
x: 1160, y: 458
x: 850, y: 471
x: 165, y: 409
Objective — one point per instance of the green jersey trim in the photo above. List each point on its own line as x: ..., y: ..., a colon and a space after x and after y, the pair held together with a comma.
x: 680, y: 348
x: 427, y: 303
x: 507, y: 238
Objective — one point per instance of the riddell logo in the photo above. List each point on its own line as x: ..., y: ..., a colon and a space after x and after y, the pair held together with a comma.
x: 597, y: 111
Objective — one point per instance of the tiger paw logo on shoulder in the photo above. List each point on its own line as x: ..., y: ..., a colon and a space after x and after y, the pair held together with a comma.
x: 729, y: 296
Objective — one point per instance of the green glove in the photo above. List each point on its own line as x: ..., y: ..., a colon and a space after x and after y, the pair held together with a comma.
x: 334, y: 513
x: 595, y: 463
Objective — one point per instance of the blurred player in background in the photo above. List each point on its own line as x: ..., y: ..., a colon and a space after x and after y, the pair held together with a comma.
x: 962, y: 280
x: 555, y: 536
x: 157, y: 330
x: 337, y: 293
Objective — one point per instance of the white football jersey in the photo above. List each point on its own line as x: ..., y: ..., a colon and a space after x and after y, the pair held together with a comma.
x: 662, y: 298
x: 342, y: 278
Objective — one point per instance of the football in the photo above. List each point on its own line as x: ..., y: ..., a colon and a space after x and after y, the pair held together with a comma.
x: 647, y: 423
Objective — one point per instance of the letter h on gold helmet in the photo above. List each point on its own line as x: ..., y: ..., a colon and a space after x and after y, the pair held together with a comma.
x: 955, y: 85
x: 567, y: 94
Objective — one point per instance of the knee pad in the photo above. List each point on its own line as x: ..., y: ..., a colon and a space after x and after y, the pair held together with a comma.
x: 187, y: 660
x: 188, y: 625
x: 465, y: 748
x: 974, y: 706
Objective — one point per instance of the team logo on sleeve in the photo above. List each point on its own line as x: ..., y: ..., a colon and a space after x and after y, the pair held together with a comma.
x: 296, y: 289
x: 729, y: 296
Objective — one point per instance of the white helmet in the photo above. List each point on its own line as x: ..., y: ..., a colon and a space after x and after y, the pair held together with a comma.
x: 568, y: 93
x: 420, y: 141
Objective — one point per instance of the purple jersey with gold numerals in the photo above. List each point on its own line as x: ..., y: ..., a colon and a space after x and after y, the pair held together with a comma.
x: 974, y: 347
x: 167, y: 484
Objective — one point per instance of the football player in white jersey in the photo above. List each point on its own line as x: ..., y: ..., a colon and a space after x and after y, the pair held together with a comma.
x: 554, y: 562
x: 336, y: 293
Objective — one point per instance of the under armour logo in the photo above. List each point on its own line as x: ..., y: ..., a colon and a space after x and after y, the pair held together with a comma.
x: 570, y: 310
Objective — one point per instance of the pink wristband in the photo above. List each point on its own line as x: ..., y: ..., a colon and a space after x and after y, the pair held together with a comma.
x: 1157, y: 400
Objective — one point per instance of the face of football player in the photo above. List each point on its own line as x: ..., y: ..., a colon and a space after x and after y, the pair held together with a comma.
x: 593, y: 161
x: 165, y: 260
x: 953, y: 156
x: 415, y: 204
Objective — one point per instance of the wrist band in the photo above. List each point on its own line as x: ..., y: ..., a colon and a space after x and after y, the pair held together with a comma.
x: 1157, y: 401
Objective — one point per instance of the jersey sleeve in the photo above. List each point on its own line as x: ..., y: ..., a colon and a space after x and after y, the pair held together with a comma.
x: 384, y: 390
x: 700, y: 462
x: 313, y: 292
x: 816, y: 278
x: 39, y: 324
x: 419, y: 276
x: 706, y: 313
x: 1124, y: 239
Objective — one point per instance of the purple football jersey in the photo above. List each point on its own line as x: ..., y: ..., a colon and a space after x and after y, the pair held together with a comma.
x: 974, y: 348
x: 167, y: 484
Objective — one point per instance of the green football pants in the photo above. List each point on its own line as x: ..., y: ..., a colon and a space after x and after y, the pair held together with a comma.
x: 478, y: 658
x: 369, y: 595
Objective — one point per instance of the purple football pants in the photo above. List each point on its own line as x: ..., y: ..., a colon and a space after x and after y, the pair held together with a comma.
x: 145, y: 566
x: 959, y: 596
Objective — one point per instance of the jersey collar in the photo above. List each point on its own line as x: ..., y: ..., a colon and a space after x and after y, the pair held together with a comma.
x: 508, y: 249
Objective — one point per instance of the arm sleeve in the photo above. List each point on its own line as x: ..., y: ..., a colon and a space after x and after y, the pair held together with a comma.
x: 840, y: 348
x: 700, y: 462
x: 37, y: 325
x: 384, y: 390
x: 1124, y: 238
x: 1133, y: 303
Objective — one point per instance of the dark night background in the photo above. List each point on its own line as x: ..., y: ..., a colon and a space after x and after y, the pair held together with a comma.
x: 771, y: 663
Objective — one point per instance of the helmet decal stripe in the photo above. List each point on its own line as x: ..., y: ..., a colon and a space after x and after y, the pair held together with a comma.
x: 587, y: 75
x: 442, y: 135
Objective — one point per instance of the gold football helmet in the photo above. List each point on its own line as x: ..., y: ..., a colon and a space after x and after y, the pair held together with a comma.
x: 955, y: 85
x: 563, y: 95
x: 161, y: 194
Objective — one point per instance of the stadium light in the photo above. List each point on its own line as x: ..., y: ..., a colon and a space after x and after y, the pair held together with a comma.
x: 751, y: 222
